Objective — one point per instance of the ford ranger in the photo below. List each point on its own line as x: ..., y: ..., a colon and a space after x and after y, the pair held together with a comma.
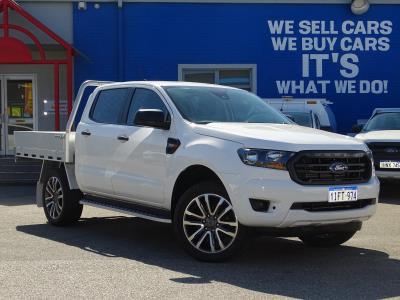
x: 214, y: 161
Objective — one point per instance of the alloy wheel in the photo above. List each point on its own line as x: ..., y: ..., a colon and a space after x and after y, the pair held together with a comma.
x: 210, y: 224
x: 53, y: 197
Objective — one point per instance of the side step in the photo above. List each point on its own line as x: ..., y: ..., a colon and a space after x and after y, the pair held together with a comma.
x: 137, y: 210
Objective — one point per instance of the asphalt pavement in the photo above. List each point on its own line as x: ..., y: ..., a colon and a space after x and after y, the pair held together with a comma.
x: 108, y: 255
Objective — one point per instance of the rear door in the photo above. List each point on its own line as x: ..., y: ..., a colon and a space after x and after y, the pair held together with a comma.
x: 96, y: 140
x: 140, y: 164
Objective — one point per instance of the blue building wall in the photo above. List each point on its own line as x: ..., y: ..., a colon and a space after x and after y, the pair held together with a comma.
x: 156, y: 37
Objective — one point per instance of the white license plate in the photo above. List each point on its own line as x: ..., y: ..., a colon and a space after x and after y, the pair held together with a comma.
x: 389, y: 164
x: 343, y: 194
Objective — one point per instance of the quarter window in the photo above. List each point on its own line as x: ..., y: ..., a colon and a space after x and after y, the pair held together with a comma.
x: 110, y: 105
x: 144, y: 99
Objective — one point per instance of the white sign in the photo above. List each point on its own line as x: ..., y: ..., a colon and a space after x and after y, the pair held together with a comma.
x: 331, y: 45
x: 48, y: 107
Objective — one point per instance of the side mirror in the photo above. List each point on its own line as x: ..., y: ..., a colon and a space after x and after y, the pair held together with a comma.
x: 357, y: 128
x: 153, y: 118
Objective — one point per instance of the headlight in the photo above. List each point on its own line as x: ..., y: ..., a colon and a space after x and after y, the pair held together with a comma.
x: 272, y: 159
x: 371, y: 157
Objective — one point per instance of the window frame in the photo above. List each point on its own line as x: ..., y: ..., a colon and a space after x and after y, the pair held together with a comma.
x: 126, y: 115
x: 317, y: 121
x: 121, y: 115
x: 216, y: 68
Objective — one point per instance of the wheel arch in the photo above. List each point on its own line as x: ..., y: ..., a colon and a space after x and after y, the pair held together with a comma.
x: 51, y: 165
x: 190, y: 176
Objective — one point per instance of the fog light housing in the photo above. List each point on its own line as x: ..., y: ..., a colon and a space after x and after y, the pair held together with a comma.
x: 260, y: 205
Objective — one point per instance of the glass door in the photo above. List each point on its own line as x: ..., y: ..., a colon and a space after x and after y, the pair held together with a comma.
x: 18, y: 105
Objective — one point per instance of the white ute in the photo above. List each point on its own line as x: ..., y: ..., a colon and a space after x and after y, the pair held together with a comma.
x: 214, y: 161
x: 314, y: 113
x: 382, y: 136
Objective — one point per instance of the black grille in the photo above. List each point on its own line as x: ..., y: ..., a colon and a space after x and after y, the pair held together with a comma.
x: 327, y: 206
x: 313, y: 167
x: 385, y: 151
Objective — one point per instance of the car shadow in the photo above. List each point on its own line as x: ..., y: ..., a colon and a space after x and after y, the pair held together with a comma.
x: 17, y: 194
x: 275, y: 266
x: 390, y: 192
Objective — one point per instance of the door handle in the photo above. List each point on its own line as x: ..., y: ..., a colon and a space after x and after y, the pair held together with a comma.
x: 86, y: 132
x: 123, y: 138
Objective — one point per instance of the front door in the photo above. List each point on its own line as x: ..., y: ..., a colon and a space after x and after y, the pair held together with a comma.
x: 17, y: 108
x: 140, y: 162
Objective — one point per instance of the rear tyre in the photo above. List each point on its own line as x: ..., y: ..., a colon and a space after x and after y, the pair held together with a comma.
x: 205, y: 223
x: 325, y: 240
x: 60, y: 203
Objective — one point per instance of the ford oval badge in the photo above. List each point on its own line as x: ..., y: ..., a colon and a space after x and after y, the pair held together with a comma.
x: 338, y: 167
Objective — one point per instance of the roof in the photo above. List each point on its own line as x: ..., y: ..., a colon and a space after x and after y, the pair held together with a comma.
x: 385, y: 110
x: 290, y: 100
x: 165, y: 84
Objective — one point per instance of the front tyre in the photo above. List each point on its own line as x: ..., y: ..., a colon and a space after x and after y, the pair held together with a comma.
x: 60, y: 203
x: 325, y: 240
x: 205, y: 223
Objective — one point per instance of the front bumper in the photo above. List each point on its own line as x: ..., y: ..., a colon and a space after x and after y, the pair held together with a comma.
x: 388, y: 174
x: 278, y: 188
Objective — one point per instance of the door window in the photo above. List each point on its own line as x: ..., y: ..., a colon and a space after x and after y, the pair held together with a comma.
x: 20, y: 99
x: 110, y: 105
x: 144, y: 99
x: 17, y: 109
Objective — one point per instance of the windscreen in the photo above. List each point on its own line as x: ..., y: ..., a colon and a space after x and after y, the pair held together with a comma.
x: 384, y: 121
x: 214, y: 104
x: 303, y: 119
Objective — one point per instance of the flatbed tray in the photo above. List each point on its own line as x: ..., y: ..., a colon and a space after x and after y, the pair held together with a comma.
x: 44, y: 145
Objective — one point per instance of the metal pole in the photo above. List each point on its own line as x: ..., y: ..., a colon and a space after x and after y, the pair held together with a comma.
x: 5, y: 18
x: 69, y: 81
x: 120, y: 43
x: 56, y: 97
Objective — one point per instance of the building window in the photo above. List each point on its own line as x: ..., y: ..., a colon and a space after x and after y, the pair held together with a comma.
x: 239, y: 76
